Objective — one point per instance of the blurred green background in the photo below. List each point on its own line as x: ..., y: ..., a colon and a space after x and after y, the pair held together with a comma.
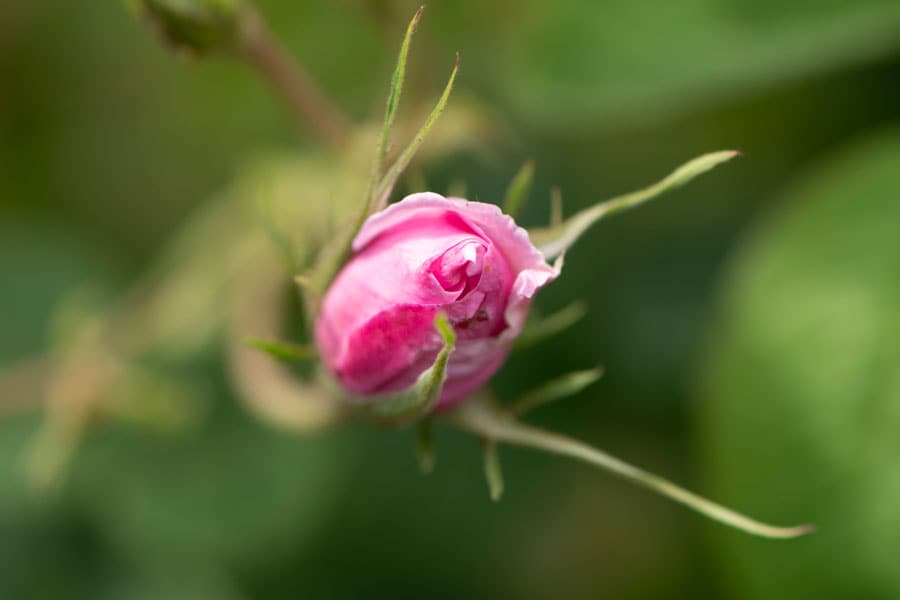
x: 748, y: 323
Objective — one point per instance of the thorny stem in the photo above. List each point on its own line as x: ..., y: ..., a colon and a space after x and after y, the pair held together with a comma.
x: 291, y: 81
x: 479, y: 416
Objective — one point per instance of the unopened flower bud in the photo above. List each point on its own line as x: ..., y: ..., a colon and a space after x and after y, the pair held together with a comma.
x: 424, y: 255
x: 199, y: 26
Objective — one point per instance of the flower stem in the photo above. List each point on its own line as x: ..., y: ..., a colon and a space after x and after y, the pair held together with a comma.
x: 291, y: 81
x: 480, y: 417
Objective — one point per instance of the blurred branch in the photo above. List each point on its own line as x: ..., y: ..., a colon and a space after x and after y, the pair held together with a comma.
x: 290, y: 80
x: 235, y: 28
x: 268, y: 388
x: 21, y: 385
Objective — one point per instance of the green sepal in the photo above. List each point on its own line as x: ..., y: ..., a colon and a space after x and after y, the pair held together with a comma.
x: 518, y: 189
x: 554, y: 240
x: 285, y: 351
x: 425, y: 445
x: 393, y: 101
x: 492, y: 471
x: 422, y: 397
x: 386, y: 185
x: 556, y: 389
x: 537, y: 330
x: 457, y: 188
x: 380, y: 190
x: 556, y: 207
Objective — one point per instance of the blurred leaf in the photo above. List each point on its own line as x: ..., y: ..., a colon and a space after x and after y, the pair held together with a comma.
x: 15, y: 433
x: 570, y: 62
x: 169, y: 579
x: 49, y: 553
x: 802, y: 391
x: 232, y: 491
x: 38, y: 267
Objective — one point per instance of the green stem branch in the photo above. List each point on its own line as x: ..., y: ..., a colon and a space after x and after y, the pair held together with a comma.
x: 482, y: 418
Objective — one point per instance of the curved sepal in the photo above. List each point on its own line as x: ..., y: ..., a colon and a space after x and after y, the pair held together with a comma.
x: 425, y: 454
x: 540, y: 329
x: 554, y: 240
x: 556, y: 389
x: 393, y: 100
x: 386, y: 185
x: 518, y: 189
x: 381, y: 186
x: 493, y: 474
x: 420, y: 399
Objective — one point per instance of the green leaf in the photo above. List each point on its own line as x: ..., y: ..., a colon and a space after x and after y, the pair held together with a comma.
x: 518, y: 189
x: 282, y: 350
x: 801, y: 392
x: 426, y: 392
x: 553, y: 241
x: 556, y: 389
x: 492, y: 472
x: 386, y: 185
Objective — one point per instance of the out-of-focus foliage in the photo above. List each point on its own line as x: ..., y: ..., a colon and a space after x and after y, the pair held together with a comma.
x: 114, y: 154
x: 802, y: 399
x: 564, y: 63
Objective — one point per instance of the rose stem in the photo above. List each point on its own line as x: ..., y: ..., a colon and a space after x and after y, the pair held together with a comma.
x: 291, y: 81
x: 479, y: 417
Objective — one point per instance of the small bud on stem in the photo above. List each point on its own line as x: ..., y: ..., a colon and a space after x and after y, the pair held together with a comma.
x: 235, y: 28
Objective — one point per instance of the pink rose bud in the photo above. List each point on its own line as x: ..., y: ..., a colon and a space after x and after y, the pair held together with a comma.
x: 423, y: 255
